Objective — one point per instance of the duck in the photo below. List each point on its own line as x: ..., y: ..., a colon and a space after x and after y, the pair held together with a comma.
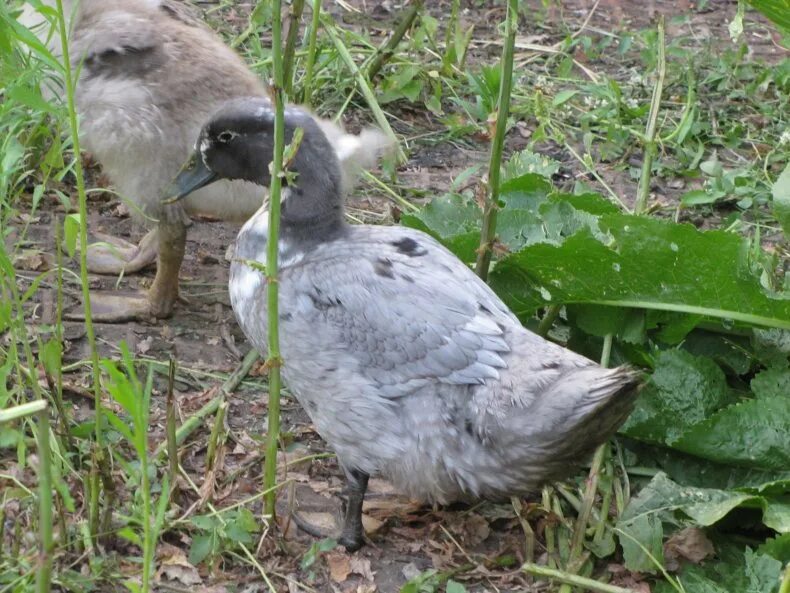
x: 409, y: 366
x: 150, y: 74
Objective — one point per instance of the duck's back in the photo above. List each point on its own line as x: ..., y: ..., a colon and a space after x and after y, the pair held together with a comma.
x: 411, y: 367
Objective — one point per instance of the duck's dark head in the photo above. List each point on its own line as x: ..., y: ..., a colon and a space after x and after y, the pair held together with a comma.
x: 238, y: 143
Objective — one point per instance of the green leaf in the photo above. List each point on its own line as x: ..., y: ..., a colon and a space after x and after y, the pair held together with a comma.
x: 755, y: 433
x: 762, y: 571
x: 71, y: 230
x: 651, y: 264
x: 697, y: 197
x: 683, y: 391
x: 777, y: 11
x: 202, y: 546
x: 781, y: 196
x: 642, y: 538
x: 455, y: 587
x: 453, y: 220
x: 772, y: 383
x: 777, y: 547
x: 563, y: 97
x: 776, y: 513
x: 527, y: 161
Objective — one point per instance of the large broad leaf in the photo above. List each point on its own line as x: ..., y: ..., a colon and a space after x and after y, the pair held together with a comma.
x: 777, y: 11
x: 650, y: 264
x: 755, y: 433
x: 664, y: 503
x: 683, y: 391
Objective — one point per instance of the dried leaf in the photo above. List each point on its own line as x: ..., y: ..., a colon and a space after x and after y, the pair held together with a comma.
x: 687, y: 544
x: 339, y: 566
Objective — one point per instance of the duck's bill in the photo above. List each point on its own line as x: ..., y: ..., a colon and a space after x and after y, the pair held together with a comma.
x: 192, y: 176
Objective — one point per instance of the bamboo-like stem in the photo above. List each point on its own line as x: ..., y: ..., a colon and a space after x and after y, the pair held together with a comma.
x: 572, y: 579
x: 650, y: 145
x: 488, y: 231
x: 529, y: 533
x: 364, y: 87
x: 386, y: 51
x: 273, y: 361
x: 86, y: 300
x: 312, y: 53
x: 170, y: 428
x: 45, y: 547
x: 294, y: 17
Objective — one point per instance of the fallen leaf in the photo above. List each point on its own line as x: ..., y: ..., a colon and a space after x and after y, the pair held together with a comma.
x: 339, y: 566
x: 690, y: 544
x: 173, y: 565
x: 361, y: 566
x: 144, y: 345
x: 33, y: 260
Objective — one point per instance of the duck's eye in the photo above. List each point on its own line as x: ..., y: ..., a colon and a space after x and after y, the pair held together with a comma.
x: 226, y: 136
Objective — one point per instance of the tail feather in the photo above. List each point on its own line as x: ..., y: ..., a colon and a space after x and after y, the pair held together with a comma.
x: 601, y: 409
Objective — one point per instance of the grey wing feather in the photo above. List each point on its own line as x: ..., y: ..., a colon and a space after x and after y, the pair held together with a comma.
x: 417, y: 320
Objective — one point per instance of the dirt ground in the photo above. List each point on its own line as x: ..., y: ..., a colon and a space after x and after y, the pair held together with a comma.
x: 483, y: 545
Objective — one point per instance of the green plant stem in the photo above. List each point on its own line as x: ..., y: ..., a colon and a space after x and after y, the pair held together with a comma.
x: 86, y: 301
x: 22, y: 410
x: 785, y: 586
x: 364, y: 86
x: 45, y: 549
x: 231, y: 383
x: 650, y: 145
x: 572, y: 579
x: 148, y: 552
x: 214, y: 439
x: 172, y: 445
x: 312, y: 52
x: 548, y: 320
x: 273, y: 361
x: 488, y: 231
x: 294, y: 17
x: 386, y: 51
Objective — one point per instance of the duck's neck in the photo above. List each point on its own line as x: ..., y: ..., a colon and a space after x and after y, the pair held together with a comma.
x: 311, y: 211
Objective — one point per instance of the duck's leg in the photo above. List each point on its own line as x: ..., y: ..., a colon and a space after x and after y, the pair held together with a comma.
x: 113, y: 255
x: 352, y: 535
x: 117, y: 308
x: 164, y: 291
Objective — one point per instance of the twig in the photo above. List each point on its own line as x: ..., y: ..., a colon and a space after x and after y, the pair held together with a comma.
x: 650, y: 144
x: 294, y: 16
x: 385, y: 52
x: 272, y: 289
x: 488, y: 230
x: 312, y: 52
x: 572, y: 579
